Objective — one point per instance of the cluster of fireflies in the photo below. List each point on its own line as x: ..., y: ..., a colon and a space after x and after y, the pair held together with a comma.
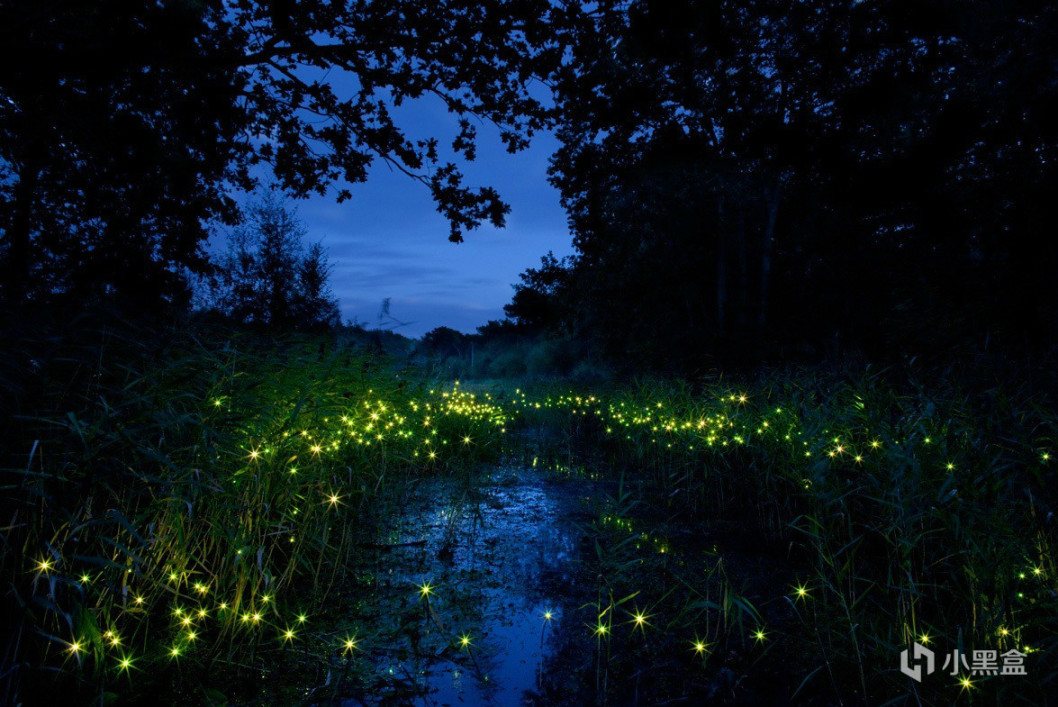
x: 305, y: 465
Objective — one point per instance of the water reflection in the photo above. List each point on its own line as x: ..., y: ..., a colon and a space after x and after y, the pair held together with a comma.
x: 497, y: 560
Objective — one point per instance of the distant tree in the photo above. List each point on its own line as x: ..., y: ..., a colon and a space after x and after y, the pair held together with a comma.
x: 268, y: 279
x: 238, y: 287
x: 445, y: 341
x: 123, y: 124
x: 314, y: 302
x: 279, y: 248
x: 540, y: 299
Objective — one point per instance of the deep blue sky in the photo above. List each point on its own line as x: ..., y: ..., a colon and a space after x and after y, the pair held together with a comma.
x: 389, y: 240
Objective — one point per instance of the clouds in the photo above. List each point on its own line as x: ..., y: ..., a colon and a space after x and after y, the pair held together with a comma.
x: 389, y: 241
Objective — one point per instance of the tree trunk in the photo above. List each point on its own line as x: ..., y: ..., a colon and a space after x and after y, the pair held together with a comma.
x: 721, y: 270
x: 771, y: 201
x: 743, y: 273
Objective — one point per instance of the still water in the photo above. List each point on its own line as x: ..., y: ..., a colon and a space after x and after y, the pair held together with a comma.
x: 478, y: 582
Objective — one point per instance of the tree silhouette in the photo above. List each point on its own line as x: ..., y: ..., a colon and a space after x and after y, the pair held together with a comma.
x: 268, y: 280
x: 541, y: 295
x: 315, y: 305
x: 123, y: 124
x: 753, y: 177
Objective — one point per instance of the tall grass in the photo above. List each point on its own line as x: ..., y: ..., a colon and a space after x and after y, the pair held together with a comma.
x: 919, y: 513
x: 175, y: 504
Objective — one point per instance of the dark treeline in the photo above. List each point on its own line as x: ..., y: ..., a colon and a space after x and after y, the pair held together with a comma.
x: 752, y: 181
x: 127, y: 127
x: 744, y: 181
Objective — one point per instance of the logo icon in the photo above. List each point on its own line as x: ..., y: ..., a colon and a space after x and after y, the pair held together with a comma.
x: 918, y: 653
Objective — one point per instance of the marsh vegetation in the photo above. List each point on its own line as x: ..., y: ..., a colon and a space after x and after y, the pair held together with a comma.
x: 216, y: 519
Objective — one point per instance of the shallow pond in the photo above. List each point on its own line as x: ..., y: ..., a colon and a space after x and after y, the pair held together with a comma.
x: 475, y: 584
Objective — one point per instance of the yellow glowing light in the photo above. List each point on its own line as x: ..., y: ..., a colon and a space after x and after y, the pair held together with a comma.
x: 201, y: 613
x: 1046, y: 456
x: 600, y: 629
x: 138, y: 600
x: 174, y: 652
x: 350, y: 644
x: 125, y: 664
x: 112, y: 638
x: 288, y: 636
x: 201, y: 588
x: 302, y: 618
x: 45, y: 565
x: 966, y: 683
x: 425, y: 590
x: 924, y: 639
x: 186, y: 621
x: 801, y: 591
x: 464, y: 640
x: 75, y: 647
x: 334, y: 499
x: 316, y: 449
x: 85, y: 579
x: 191, y: 635
x: 548, y: 616
x: 699, y: 646
x: 1037, y: 571
x: 875, y: 444
x: 759, y: 636
x: 254, y: 454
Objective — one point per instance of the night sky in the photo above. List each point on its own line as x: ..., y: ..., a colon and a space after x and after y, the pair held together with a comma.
x: 389, y: 240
